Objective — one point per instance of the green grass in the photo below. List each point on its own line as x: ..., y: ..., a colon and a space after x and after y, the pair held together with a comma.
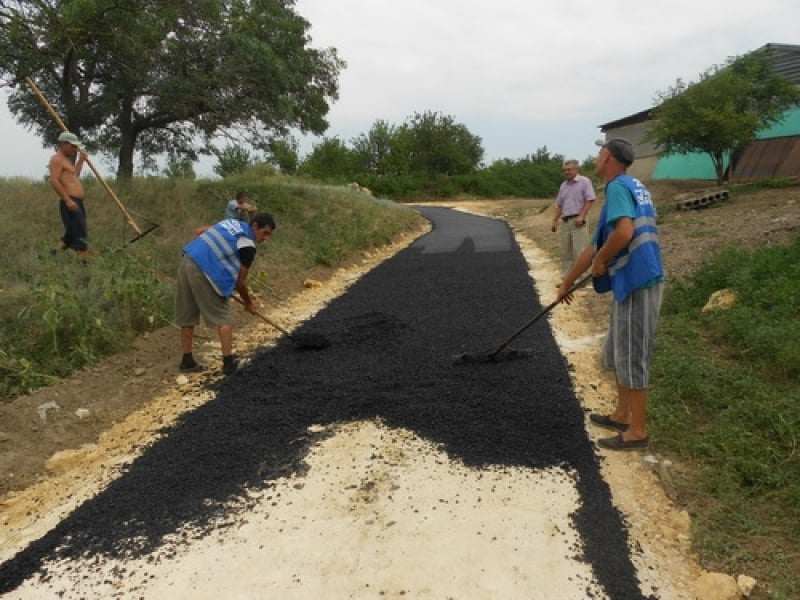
x: 725, y: 401
x: 57, y: 316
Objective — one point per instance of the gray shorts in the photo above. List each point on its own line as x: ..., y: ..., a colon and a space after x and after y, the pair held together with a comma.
x: 195, y: 296
x: 628, y: 347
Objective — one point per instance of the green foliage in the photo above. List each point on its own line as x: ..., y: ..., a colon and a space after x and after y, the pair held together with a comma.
x: 721, y: 113
x: 158, y: 77
x: 232, y: 160
x: 431, y: 157
x: 373, y: 151
x: 533, y: 176
x: 725, y: 398
x: 434, y: 144
x: 285, y: 154
x: 424, y: 157
x: 330, y: 160
x: 179, y: 169
x: 74, y: 314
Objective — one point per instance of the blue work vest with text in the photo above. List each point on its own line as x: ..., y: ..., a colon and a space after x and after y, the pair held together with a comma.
x: 639, y: 264
x: 217, y: 254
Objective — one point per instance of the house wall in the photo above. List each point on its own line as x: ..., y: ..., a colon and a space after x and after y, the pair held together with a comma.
x: 775, y: 153
x: 788, y: 125
x: 646, y: 155
x: 635, y: 134
x: 769, y: 158
x: 695, y: 165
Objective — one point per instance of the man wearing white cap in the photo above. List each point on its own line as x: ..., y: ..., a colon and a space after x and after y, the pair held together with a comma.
x: 65, y: 177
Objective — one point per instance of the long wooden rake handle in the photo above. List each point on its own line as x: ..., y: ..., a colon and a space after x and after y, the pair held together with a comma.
x: 579, y: 284
x: 265, y: 319
x: 102, y: 181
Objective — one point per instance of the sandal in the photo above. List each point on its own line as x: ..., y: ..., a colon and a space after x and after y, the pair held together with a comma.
x: 605, y: 421
x: 619, y: 443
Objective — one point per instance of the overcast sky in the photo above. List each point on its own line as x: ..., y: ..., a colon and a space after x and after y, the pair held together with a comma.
x: 521, y: 75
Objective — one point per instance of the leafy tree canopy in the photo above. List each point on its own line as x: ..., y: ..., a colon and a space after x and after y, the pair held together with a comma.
x: 165, y: 75
x: 433, y: 143
x: 232, y: 160
x: 428, y: 143
x: 331, y: 159
x: 722, y: 112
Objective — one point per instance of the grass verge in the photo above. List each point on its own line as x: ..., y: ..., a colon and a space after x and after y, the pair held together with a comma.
x: 725, y: 401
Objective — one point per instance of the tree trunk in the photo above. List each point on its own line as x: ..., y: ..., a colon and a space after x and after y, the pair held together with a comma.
x: 127, y: 142
x: 717, y: 159
x: 125, y: 164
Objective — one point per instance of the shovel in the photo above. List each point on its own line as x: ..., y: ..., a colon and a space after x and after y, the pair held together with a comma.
x: 512, y: 354
x: 306, y: 341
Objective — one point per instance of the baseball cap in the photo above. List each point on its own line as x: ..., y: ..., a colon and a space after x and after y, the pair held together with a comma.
x: 70, y: 138
x: 619, y: 148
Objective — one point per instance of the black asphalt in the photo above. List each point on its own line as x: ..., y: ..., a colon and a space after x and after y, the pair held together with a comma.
x: 464, y: 287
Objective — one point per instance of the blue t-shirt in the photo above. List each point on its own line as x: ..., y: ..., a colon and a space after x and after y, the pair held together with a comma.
x: 619, y: 204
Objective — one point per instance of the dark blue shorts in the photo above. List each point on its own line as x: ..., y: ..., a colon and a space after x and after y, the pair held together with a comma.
x: 75, y: 234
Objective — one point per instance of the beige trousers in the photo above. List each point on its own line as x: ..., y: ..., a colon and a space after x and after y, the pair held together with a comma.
x: 573, y: 241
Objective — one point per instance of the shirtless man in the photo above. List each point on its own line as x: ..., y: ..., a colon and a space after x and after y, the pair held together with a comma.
x: 65, y: 177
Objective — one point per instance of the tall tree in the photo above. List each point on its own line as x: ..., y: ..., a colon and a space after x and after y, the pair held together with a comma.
x: 433, y: 143
x: 331, y: 159
x: 232, y: 160
x: 166, y: 75
x: 373, y: 150
x: 723, y: 112
x: 285, y: 154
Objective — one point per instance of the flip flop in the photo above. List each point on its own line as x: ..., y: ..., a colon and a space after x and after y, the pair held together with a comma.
x: 605, y: 421
x: 617, y: 442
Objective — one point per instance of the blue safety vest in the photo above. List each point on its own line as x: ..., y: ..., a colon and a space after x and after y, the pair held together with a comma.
x: 217, y: 254
x: 639, y: 264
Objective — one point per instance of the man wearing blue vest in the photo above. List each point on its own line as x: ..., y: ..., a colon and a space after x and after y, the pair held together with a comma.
x: 214, y: 264
x: 625, y: 259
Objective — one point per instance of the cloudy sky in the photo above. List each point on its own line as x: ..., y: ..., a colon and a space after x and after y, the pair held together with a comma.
x: 521, y: 75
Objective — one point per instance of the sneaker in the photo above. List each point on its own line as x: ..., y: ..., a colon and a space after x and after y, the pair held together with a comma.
x: 192, y: 367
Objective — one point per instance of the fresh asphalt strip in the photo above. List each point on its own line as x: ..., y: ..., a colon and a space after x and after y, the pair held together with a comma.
x: 463, y: 287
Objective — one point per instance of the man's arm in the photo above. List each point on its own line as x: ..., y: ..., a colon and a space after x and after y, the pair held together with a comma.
x: 556, y: 215
x: 81, y: 161
x: 583, y: 262
x: 616, y: 243
x: 247, y: 255
x: 241, y: 288
x: 588, y: 200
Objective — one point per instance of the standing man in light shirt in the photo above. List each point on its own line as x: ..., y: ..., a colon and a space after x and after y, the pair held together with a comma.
x: 574, y: 200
